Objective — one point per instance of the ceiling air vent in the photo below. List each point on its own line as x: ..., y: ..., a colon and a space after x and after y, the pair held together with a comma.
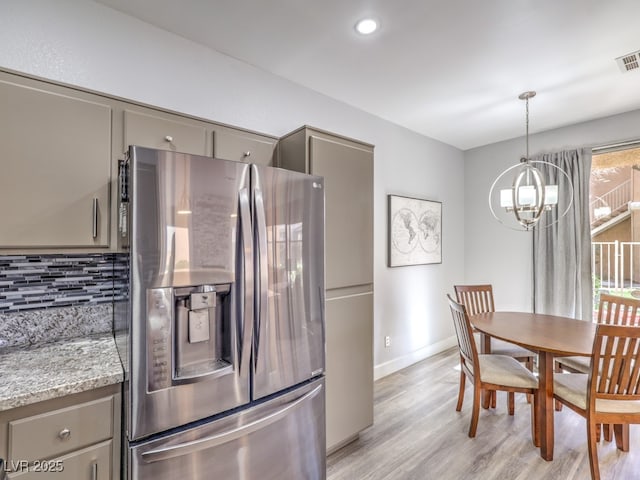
x: 629, y: 62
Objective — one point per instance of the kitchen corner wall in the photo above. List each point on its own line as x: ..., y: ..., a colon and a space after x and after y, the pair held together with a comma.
x: 82, y: 43
x: 494, y: 254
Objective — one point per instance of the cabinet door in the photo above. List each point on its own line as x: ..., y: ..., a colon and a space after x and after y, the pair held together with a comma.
x: 348, y: 183
x: 349, y: 376
x: 93, y: 463
x: 55, y: 160
x: 232, y: 144
x: 163, y: 133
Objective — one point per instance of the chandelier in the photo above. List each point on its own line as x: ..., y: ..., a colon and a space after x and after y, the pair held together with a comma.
x: 530, y: 193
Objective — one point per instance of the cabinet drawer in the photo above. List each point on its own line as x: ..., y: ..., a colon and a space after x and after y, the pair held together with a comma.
x: 240, y: 146
x: 93, y: 463
x: 54, y: 433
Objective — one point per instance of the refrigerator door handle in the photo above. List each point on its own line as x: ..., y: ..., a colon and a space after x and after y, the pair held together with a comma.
x: 246, y: 322
x: 263, y: 269
x: 229, y: 435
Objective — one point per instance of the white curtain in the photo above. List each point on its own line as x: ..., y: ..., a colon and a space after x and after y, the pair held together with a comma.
x: 562, y: 281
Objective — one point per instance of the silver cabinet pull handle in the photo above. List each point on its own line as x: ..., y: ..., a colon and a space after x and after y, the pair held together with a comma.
x: 64, y: 434
x: 168, y: 138
x: 94, y: 471
x: 247, y: 153
x: 94, y: 224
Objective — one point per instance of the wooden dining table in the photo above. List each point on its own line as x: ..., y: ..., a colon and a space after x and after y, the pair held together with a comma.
x: 549, y: 336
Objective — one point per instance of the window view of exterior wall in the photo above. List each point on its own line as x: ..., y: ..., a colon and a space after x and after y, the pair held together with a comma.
x: 615, y: 223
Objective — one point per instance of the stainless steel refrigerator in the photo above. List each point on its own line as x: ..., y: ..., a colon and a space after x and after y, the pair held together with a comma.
x: 223, y: 329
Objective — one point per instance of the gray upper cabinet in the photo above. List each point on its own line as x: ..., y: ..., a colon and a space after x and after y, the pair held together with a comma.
x: 348, y: 173
x: 347, y: 168
x: 59, y: 160
x: 164, y: 132
x: 55, y: 160
x: 233, y: 144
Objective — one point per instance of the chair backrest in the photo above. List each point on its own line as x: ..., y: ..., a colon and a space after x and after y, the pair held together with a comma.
x: 466, y: 343
x: 617, y: 351
x: 476, y: 298
x: 615, y: 310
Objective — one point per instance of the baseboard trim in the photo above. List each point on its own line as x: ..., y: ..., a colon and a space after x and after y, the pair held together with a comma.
x: 343, y: 443
x: 399, y: 363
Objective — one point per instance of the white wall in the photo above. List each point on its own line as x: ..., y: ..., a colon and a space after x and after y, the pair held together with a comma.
x: 86, y: 44
x: 500, y: 256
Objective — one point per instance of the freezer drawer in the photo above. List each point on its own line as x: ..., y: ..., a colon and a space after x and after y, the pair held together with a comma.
x: 281, y: 439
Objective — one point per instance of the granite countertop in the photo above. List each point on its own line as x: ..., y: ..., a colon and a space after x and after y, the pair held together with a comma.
x: 42, y: 372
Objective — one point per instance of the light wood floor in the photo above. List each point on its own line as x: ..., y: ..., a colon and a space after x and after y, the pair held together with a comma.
x: 417, y: 434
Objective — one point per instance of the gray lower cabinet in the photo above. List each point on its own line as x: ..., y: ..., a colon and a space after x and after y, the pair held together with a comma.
x: 92, y: 463
x: 56, y: 166
x: 349, y: 366
x: 75, y: 437
x: 347, y: 168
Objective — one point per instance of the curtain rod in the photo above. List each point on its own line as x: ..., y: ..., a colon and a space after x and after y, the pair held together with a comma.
x: 615, y: 146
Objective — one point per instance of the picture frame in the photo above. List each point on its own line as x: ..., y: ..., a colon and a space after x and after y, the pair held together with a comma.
x: 414, y: 231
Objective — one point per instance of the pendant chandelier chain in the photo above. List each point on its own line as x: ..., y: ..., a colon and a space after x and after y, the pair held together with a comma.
x: 527, y: 128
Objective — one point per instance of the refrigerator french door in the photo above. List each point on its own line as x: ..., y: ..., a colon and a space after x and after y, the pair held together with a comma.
x: 289, y: 242
x: 225, y: 322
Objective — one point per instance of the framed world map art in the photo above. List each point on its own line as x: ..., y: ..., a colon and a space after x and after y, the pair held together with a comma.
x: 415, y: 231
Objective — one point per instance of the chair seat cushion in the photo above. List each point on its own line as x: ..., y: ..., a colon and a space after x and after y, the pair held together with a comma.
x: 573, y: 388
x: 582, y: 364
x: 500, y: 347
x: 505, y: 370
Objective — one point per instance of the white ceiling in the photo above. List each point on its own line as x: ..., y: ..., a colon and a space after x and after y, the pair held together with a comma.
x: 448, y: 69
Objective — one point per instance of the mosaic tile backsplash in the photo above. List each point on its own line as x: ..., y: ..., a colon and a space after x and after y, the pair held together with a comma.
x: 29, y: 282
x: 45, y: 298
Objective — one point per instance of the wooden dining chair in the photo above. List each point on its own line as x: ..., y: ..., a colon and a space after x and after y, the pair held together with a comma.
x: 610, y: 392
x: 488, y: 371
x: 613, y: 310
x: 479, y: 299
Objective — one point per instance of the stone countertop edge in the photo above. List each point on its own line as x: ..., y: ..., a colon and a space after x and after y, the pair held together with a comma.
x: 42, y: 372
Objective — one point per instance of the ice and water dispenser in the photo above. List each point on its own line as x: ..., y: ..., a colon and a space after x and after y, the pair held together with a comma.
x: 189, y: 334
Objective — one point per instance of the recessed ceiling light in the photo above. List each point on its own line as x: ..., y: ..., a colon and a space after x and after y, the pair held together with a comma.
x: 366, y: 26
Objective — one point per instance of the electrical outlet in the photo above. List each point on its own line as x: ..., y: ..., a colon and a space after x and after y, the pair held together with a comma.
x: 387, y: 341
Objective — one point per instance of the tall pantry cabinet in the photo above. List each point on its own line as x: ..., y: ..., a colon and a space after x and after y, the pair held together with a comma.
x: 347, y: 168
